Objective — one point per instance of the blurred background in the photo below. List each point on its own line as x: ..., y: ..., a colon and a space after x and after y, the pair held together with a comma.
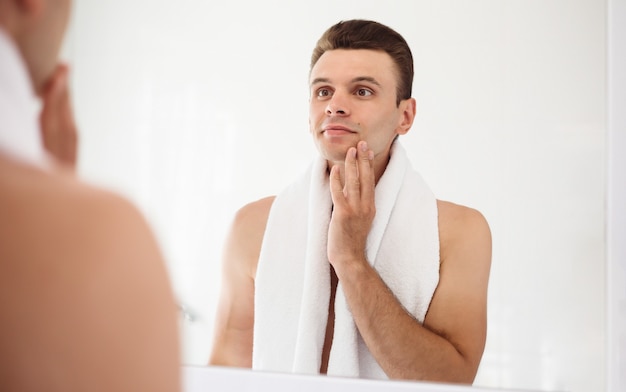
x: 192, y: 109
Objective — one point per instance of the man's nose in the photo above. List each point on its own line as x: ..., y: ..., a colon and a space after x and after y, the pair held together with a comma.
x: 337, y: 105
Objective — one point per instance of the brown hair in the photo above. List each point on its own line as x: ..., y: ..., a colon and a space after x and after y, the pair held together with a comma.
x: 366, y: 34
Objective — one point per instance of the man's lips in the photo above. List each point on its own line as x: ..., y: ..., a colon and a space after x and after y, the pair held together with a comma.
x: 336, y: 130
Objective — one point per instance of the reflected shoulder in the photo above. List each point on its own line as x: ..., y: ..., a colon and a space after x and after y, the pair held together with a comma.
x: 252, y: 217
x: 458, y: 216
x: 245, y: 237
x: 463, y: 229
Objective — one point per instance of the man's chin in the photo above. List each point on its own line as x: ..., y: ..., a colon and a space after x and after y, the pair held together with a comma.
x: 337, y: 154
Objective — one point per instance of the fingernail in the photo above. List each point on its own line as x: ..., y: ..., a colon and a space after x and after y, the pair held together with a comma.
x: 364, y: 146
x: 370, y: 155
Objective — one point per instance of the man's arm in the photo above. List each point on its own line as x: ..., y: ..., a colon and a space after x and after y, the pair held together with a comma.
x: 448, y: 346
x: 234, y: 324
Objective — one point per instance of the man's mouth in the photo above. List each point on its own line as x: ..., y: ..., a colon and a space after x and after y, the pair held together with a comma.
x: 336, y: 130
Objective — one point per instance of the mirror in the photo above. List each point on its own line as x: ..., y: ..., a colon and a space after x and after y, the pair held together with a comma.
x: 194, y: 108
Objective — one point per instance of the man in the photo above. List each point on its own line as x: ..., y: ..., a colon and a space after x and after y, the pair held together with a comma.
x: 85, y: 302
x: 356, y: 269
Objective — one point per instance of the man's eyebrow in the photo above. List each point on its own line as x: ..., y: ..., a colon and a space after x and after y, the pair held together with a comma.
x: 355, y: 80
x: 366, y: 79
x: 320, y: 80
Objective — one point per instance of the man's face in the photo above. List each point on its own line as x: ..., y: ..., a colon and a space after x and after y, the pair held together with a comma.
x: 352, y: 98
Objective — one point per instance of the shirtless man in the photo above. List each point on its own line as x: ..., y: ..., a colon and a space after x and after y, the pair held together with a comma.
x: 85, y: 301
x: 362, y: 82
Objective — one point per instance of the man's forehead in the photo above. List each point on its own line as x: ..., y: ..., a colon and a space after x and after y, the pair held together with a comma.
x: 351, y: 64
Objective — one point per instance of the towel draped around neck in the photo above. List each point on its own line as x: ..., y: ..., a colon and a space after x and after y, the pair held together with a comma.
x: 292, y: 285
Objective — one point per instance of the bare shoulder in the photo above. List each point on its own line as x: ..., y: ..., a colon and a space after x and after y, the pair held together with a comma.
x: 253, y: 216
x: 452, y: 215
x: 85, y: 264
x: 50, y: 218
x: 244, y: 240
x: 463, y: 229
x: 57, y: 206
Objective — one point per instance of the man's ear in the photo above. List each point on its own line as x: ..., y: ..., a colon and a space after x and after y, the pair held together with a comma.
x: 408, y: 110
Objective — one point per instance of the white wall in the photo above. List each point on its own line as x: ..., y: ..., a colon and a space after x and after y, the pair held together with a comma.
x: 616, y: 212
x: 193, y: 108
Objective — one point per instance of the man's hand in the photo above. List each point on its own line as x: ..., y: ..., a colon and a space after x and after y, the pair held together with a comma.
x: 58, y: 129
x: 353, y: 206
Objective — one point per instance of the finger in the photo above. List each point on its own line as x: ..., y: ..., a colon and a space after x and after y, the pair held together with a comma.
x: 352, y: 183
x: 52, y: 101
x: 366, y: 171
x: 49, y: 104
x: 60, y: 91
x: 58, y: 128
x: 336, y: 187
x: 53, y: 89
x: 65, y: 104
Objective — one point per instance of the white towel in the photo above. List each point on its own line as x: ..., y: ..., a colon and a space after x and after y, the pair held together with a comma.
x: 292, y: 286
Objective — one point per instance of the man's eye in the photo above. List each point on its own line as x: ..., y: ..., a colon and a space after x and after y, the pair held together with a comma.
x: 323, y: 92
x: 363, y: 92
